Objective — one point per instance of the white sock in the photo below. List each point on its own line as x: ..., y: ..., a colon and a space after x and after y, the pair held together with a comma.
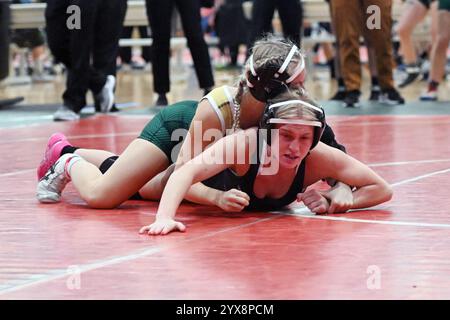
x: 74, y: 158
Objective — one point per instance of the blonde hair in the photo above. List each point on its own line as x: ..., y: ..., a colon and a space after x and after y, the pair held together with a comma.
x: 269, y: 50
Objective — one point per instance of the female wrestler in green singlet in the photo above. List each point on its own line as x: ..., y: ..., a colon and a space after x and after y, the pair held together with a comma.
x: 273, y: 65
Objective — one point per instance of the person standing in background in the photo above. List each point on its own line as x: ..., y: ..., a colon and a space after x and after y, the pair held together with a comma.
x: 439, y: 52
x: 159, y: 14
x: 350, y: 21
x: 414, y: 13
x: 34, y: 41
x: 341, y: 93
x: 4, y: 38
x: 126, y: 53
x: 231, y: 35
x: 291, y: 16
x: 89, y: 51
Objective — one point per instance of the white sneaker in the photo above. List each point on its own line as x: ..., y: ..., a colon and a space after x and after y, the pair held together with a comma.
x: 88, y: 110
x: 65, y: 114
x: 42, y: 78
x: 106, y: 96
x: 429, y: 95
x: 52, y: 184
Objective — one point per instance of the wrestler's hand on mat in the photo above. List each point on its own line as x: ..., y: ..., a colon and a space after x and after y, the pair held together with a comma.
x: 314, y: 200
x: 163, y: 226
x: 340, y: 198
x: 233, y: 200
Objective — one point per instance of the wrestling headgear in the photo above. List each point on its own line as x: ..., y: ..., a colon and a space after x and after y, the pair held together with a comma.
x: 271, y: 78
x: 269, y: 119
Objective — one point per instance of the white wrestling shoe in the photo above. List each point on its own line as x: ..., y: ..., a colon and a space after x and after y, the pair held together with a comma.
x: 64, y: 113
x: 52, y: 184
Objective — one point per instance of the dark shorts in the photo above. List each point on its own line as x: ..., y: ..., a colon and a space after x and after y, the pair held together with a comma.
x: 28, y: 38
x: 426, y: 3
x: 160, y: 129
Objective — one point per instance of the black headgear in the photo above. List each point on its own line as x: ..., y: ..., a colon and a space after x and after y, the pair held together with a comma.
x: 268, y: 120
x: 272, y: 78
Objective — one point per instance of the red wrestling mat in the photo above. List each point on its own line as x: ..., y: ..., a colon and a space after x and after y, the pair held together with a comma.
x: 396, y: 251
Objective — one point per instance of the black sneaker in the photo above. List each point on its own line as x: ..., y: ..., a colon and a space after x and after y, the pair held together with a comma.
x: 351, y: 99
x: 391, y: 96
x: 410, y: 78
x: 412, y: 73
x: 375, y: 93
x: 10, y: 102
x: 114, y: 108
x: 339, y: 95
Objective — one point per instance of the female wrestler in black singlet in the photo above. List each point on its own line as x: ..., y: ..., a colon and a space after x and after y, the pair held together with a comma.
x: 291, y: 159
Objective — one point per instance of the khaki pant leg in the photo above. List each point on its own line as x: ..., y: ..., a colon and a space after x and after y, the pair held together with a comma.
x: 347, y: 20
x: 380, y: 39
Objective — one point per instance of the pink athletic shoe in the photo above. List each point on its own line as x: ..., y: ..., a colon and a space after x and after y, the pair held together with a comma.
x: 52, y: 153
